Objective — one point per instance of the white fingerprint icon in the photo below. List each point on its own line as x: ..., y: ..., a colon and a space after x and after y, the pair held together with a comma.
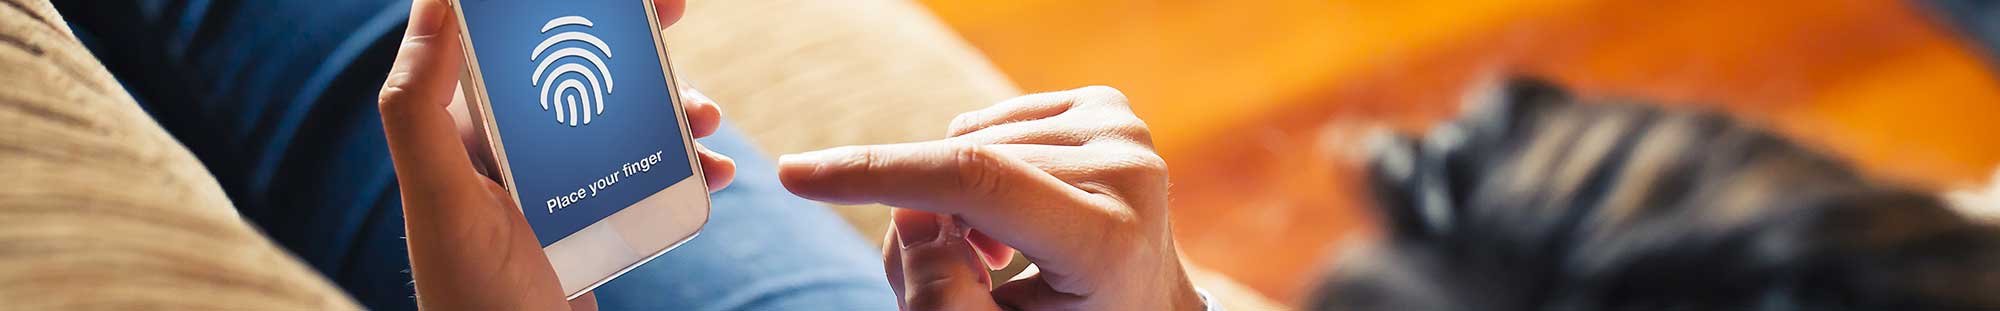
x: 575, y: 99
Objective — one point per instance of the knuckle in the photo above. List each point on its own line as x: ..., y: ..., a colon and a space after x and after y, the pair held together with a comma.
x: 1151, y: 163
x: 1124, y: 234
x: 1135, y: 131
x: 1102, y: 95
x: 1142, y: 166
x: 1122, y: 128
x: 980, y: 170
x: 867, y: 160
x: 393, y: 90
x: 1103, y: 91
x: 1135, y: 177
x: 960, y: 123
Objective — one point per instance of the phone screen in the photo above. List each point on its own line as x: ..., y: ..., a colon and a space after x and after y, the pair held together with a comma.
x: 582, y: 104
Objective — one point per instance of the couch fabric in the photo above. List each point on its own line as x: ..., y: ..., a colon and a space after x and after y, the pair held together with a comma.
x: 101, y: 209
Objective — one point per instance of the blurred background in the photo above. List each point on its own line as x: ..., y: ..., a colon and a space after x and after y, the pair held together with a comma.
x: 1256, y: 104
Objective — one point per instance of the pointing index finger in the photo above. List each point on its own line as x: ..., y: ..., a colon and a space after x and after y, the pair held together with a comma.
x: 998, y: 194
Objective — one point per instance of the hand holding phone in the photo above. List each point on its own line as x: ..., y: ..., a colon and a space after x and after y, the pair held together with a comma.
x: 470, y: 246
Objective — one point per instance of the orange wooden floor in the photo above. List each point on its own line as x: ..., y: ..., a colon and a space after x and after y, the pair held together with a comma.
x: 1255, y: 103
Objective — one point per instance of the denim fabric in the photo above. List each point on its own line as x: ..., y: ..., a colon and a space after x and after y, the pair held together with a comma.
x: 277, y: 98
x: 763, y: 249
x: 1976, y: 20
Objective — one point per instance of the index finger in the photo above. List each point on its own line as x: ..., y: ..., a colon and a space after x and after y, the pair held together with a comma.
x: 1007, y: 198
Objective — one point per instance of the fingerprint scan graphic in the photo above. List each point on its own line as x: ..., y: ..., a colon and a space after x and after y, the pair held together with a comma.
x: 576, y: 89
x: 596, y: 133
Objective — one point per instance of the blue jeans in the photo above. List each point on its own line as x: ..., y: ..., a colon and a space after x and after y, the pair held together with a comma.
x: 277, y: 99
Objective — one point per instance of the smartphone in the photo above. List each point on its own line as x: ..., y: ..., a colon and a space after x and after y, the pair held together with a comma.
x: 606, y: 175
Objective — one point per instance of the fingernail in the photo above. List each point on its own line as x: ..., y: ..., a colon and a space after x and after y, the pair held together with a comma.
x: 785, y: 159
x: 808, y: 158
x: 792, y: 163
x: 951, y: 227
x: 696, y: 95
x: 797, y: 158
x: 917, y: 231
x: 693, y: 96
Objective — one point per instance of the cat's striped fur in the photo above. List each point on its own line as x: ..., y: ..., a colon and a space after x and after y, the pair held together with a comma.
x: 1533, y: 201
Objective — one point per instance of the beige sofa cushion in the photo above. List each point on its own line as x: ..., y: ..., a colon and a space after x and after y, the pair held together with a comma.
x: 101, y: 209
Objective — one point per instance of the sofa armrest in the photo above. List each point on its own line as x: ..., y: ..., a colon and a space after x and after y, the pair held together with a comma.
x: 101, y: 209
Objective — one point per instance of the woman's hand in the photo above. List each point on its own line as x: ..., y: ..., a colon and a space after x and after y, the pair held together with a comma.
x: 470, y: 248
x: 1068, y: 178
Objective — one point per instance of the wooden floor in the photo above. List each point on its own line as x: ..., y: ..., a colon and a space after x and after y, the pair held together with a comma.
x: 1256, y: 103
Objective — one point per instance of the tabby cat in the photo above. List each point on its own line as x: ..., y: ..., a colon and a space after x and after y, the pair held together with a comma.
x: 1536, y: 201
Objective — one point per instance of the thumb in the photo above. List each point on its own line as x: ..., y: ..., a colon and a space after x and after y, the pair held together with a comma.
x: 940, y: 269
x: 469, y: 247
x: 423, y: 137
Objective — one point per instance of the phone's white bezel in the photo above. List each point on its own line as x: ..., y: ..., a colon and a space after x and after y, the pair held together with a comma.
x: 605, y: 249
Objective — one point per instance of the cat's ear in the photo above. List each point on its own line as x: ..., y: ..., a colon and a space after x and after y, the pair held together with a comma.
x: 1497, y: 111
x: 1420, y: 185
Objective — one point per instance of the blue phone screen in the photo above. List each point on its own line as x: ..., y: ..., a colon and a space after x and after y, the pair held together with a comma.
x: 582, y: 104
